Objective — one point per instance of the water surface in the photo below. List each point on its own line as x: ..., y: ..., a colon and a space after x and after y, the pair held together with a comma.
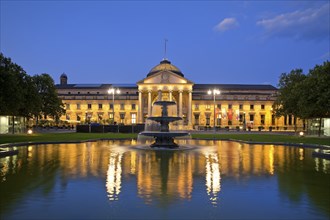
x: 118, y: 180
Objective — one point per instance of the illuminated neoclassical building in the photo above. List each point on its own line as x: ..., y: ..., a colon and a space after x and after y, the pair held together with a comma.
x: 234, y: 104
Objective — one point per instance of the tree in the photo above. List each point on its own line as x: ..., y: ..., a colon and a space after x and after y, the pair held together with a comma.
x: 314, y: 98
x: 51, y: 105
x: 11, y: 84
x: 23, y: 95
x: 305, y: 96
x: 289, y: 93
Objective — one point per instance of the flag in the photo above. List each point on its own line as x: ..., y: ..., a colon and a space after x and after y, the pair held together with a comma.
x: 230, y: 114
x: 224, y: 113
x: 237, y: 114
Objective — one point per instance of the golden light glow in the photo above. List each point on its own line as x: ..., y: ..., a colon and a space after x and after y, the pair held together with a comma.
x: 113, y: 183
x: 212, y: 176
x: 30, y: 131
x: 163, y: 177
x: 301, y: 153
x: 271, y: 159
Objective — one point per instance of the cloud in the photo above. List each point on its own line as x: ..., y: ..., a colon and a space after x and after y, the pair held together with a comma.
x: 226, y: 24
x: 309, y: 24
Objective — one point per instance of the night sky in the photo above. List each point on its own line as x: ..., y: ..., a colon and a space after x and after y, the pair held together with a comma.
x: 240, y: 42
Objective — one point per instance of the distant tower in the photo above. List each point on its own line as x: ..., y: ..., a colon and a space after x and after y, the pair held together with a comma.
x: 63, y: 79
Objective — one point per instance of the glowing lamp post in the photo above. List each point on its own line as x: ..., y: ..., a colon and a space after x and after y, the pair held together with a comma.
x: 214, y: 92
x: 113, y: 91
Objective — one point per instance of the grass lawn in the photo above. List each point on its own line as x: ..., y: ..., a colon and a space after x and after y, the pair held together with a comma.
x: 272, y: 138
x: 269, y: 138
x: 50, y: 137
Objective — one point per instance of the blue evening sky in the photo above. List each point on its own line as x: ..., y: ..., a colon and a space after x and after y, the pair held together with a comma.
x: 244, y: 42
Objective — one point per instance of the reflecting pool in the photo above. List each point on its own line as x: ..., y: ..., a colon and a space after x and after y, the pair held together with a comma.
x: 118, y: 180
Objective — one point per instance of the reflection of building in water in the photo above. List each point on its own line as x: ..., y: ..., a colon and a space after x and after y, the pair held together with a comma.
x: 212, y: 176
x: 113, y: 183
x: 82, y: 160
x: 164, y: 175
x: 243, y: 160
x: 322, y: 165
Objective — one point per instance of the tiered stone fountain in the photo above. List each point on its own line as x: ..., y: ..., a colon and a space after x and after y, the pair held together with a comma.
x: 164, y: 138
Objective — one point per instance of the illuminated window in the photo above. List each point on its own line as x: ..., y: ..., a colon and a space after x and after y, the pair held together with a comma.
x: 67, y: 106
x: 133, y: 120
x: 196, y: 107
x: 111, y: 118
x: 208, y: 107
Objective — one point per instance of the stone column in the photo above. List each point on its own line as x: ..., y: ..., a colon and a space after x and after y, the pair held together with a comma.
x: 180, y: 103
x: 189, y: 107
x: 149, y: 103
x: 170, y: 93
x: 140, y: 108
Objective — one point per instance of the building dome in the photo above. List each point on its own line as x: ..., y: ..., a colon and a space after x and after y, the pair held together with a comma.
x: 165, y: 65
x: 63, y: 75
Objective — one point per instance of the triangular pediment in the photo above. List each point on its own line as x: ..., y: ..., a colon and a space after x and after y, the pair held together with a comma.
x: 165, y: 77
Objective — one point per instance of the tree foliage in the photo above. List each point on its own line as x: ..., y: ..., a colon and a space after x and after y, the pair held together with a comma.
x: 305, y: 96
x: 51, y: 105
x: 314, y: 99
x: 25, y: 95
x: 289, y: 92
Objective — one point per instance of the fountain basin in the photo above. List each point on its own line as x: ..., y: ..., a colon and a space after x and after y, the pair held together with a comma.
x: 165, y: 119
x: 164, y: 139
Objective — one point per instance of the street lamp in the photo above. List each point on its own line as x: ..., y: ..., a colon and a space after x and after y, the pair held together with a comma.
x: 214, y: 92
x: 113, y: 91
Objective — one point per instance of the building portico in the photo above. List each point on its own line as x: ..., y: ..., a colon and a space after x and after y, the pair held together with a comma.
x: 165, y: 82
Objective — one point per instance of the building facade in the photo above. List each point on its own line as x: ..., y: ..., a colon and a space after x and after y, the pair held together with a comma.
x: 237, y: 105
